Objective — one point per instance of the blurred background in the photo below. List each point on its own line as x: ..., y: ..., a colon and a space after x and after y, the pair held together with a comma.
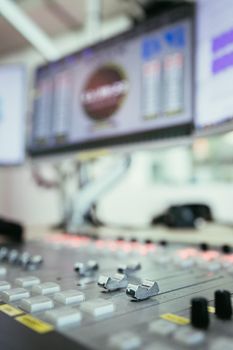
x: 199, y: 170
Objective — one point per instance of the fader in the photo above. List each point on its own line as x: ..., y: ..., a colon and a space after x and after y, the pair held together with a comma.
x: 78, y: 293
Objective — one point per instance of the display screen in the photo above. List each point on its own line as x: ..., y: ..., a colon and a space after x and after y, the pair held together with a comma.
x: 12, y: 114
x: 214, y: 63
x: 124, y: 90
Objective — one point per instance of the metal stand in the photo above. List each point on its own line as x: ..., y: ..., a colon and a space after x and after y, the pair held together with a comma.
x: 91, y: 191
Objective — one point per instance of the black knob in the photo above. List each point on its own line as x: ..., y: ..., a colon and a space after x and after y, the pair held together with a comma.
x: 204, y: 247
x: 223, y: 304
x: 199, y: 313
x: 133, y: 240
x: 148, y: 241
x: 226, y: 249
x: 163, y: 243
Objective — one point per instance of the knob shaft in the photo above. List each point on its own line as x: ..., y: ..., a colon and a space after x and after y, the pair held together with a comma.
x: 199, y: 313
x: 223, y: 304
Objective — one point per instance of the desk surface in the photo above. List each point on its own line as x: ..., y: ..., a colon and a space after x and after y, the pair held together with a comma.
x: 211, y: 233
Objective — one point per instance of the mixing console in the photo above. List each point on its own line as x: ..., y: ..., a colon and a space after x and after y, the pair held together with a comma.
x: 68, y: 293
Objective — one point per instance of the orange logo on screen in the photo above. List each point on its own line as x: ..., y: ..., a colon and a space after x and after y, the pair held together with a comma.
x: 104, y: 92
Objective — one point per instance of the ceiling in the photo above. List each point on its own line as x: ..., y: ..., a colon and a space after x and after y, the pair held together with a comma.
x: 56, y: 18
x: 60, y: 17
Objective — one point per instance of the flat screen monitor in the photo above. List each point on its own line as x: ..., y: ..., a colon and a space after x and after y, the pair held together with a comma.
x: 214, y: 85
x: 134, y: 87
x: 12, y: 114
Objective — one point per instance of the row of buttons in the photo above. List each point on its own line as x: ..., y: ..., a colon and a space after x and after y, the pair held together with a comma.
x: 203, y: 258
x: 158, y: 253
x: 47, y: 288
x: 96, y: 243
x: 210, y: 261
x: 184, y: 335
x: 60, y: 316
x: 26, y: 260
x: 42, y: 303
x: 67, y: 316
x: 214, y: 265
x: 202, y: 262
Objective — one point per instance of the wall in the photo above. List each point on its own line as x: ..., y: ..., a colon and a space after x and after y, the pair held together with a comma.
x: 132, y: 202
x: 20, y: 197
x: 23, y: 200
x: 136, y: 199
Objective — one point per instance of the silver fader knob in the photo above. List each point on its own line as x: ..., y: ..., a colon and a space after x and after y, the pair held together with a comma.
x: 36, y: 260
x: 143, y: 291
x: 24, y: 259
x: 130, y: 268
x: 118, y: 281
x: 3, y: 253
x: 86, y: 269
x: 33, y: 263
x: 13, y: 256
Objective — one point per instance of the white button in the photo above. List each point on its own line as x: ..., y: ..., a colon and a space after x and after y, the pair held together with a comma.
x: 98, y: 307
x: 163, y: 259
x: 26, y: 282
x: 2, y: 271
x: 158, y: 346
x: 226, y: 264
x: 185, y: 263
x: 4, y: 286
x: 64, y: 316
x: 230, y: 270
x: 14, y: 294
x: 162, y: 327
x: 69, y: 297
x: 222, y: 343
x: 46, y: 288
x: 125, y: 341
x: 213, y: 266
x: 187, y: 336
x: 36, y: 304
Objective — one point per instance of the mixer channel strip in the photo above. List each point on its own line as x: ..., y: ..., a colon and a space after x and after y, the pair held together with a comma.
x: 90, y: 295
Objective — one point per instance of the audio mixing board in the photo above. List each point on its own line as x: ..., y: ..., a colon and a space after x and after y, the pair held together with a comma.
x: 76, y: 292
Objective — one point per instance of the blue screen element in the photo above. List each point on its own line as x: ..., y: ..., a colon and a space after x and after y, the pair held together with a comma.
x: 175, y: 37
x: 150, y: 48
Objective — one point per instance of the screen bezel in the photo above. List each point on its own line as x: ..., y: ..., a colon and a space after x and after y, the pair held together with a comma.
x: 215, y: 128
x: 186, y: 11
x: 22, y: 68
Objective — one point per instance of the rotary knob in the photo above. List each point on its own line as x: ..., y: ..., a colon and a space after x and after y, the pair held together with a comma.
x: 226, y: 249
x: 204, y: 247
x: 223, y: 304
x: 163, y: 243
x: 199, y: 313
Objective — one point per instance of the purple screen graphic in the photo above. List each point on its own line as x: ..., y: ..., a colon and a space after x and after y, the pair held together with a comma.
x: 219, y: 43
